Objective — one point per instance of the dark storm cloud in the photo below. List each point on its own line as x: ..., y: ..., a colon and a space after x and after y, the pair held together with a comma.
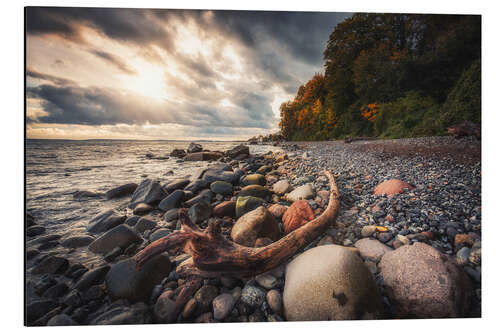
x: 113, y: 60
x: 276, y: 49
x: 46, y: 77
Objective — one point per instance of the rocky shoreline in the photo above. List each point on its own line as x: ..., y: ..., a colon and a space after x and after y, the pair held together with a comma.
x: 414, y: 254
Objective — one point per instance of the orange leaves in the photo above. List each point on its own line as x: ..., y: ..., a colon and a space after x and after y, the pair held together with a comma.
x: 370, y: 111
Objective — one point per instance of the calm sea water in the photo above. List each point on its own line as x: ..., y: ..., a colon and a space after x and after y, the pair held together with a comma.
x: 55, y: 169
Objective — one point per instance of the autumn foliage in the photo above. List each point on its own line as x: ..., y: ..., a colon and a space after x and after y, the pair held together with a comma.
x: 389, y: 75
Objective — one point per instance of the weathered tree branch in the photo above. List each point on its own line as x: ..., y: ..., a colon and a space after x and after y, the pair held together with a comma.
x: 214, y: 255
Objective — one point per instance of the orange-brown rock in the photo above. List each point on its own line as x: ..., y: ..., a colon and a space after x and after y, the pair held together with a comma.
x: 277, y: 210
x: 226, y: 208
x: 298, y: 214
x: 463, y: 239
x: 391, y: 187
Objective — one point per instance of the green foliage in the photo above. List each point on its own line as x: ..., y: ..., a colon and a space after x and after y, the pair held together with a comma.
x: 406, y: 64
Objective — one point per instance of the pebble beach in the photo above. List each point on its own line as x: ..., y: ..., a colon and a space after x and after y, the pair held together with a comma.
x: 406, y: 242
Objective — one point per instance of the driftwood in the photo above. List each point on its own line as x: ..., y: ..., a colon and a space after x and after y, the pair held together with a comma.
x: 213, y: 255
x: 349, y: 139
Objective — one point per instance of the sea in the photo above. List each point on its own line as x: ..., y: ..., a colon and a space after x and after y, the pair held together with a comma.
x: 55, y: 169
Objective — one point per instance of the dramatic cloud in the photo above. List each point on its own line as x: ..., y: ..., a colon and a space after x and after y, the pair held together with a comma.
x: 220, y: 74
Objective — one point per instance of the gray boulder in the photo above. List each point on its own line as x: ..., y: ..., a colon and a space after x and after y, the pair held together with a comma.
x: 205, y: 195
x: 149, y: 192
x: 105, y: 221
x: 200, y: 212
x: 257, y: 223
x: 194, y: 148
x: 121, y: 191
x: 372, y: 249
x: 77, y: 241
x: 173, y: 200
x: 303, y: 192
x: 121, y: 236
x: 176, y: 185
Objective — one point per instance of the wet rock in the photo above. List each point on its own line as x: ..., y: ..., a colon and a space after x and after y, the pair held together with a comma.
x: 149, y: 192
x: 124, y: 281
x: 171, y: 215
x: 253, y: 296
x: 194, y: 148
x: 164, y: 309
x: 132, y: 220
x: 93, y: 276
x: 56, y: 291
x: 121, y: 191
x: 51, y: 265
x: 391, y: 187
x: 39, y: 308
x: 35, y: 230
x: 95, y: 292
x: 424, y: 283
x: 255, y: 224
x: 205, y: 195
x: 196, y: 185
x: 200, y: 212
x: 282, y: 187
x: 162, y: 232
x: 212, y: 175
x: 173, y: 200
x: 238, y: 150
x: 254, y: 191
x: 222, y: 305
x: 203, y: 156
x: 113, y: 254
x: 298, y: 214
x: 372, y: 249
x: 221, y: 187
x: 277, y: 210
x: 121, y: 236
x: 121, y: 314
x: 176, y: 185
x: 144, y: 224
x: 105, y: 221
x: 61, y: 320
x: 247, y: 204
x: 226, y: 208
x: 143, y: 209
x: 77, y: 241
x: 275, y: 301
x: 204, y: 297
x: 254, y: 179
x: 330, y: 283
x: 178, y: 153
x: 303, y: 192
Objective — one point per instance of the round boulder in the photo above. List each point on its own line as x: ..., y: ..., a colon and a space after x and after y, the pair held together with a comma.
x: 391, y: 187
x: 424, y: 283
x: 330, y: 282
x: 255, y: 224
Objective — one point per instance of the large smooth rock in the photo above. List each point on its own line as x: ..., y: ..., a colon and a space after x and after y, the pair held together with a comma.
x: 205, y: 195
x: 254, y: 179
x: 238, y: 150
x: 203, y: 156
x: 162, y: 232
x: 121, y: 191
x: 303, y: 192
x: 144, y: 224
x: 424, y: 283
x: 211, y: 175
x: 255, y: 224
x: 194, y: 148
x: 298, y: 214
x: 119, y: 314
x: 173, y: 200
x: 222, y: 305
x: 105, y: 221
x: 125, y: 281
x: 226, y: 208
x: 282, y: 187
x: 51, y: 265
x: 372, y: 249
x: 258, y: 191
x: 77, y: 241
x: 247, y: 204
x: 200, y: 212
x: 149, y: 192
x: 277, y: 210
x: 91, y: 277
x: 176, y: 185
x: 330, y: 282
x: 142, y: 209
x: 196, y: 185
x: 171, y: 215
x: 120, y: 236
x: 391, y: 187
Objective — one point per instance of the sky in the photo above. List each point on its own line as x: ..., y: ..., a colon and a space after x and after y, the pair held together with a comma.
x: 107, y: 73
